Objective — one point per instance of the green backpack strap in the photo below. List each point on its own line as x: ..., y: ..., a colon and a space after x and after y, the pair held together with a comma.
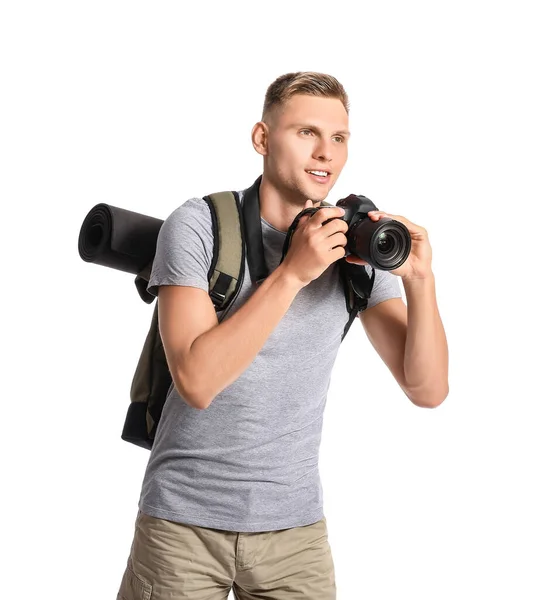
x: 228, y: 264
x: 152, y: 378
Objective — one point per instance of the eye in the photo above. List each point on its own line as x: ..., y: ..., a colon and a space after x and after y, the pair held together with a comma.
x: 340, y: 138
x: 305, y: 130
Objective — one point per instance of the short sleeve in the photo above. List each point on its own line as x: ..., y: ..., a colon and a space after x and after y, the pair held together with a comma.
x: 184, y: 248
x: 386, y: 286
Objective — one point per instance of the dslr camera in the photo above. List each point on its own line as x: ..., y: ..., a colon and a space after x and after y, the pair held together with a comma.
x: 385, y: 244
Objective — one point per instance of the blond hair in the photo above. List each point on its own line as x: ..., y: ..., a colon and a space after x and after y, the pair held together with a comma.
x: 309, y: 83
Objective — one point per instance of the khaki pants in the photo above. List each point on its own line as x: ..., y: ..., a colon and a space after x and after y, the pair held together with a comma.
x: 173, y: 561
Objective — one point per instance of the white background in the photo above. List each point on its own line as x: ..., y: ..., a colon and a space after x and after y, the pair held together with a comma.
x: 144, y: 105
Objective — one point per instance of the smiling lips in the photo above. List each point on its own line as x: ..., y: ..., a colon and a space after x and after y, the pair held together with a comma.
x: 319, y: 175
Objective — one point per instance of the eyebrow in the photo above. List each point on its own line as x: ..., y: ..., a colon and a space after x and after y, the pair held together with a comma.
x: 344, y: 132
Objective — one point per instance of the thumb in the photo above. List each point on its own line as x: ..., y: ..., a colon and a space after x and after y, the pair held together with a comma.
x: 308, y: 204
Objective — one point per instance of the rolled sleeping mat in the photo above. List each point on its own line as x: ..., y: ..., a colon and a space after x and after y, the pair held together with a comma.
x: 120, y: 239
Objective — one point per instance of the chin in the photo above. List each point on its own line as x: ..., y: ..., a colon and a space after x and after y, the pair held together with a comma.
x: 308, y: 195
x: 318, y: 196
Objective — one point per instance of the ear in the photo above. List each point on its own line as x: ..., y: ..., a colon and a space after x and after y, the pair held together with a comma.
x: 259, y: 137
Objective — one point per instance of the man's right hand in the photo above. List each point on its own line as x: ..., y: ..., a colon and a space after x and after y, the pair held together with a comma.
x: 315, y: 246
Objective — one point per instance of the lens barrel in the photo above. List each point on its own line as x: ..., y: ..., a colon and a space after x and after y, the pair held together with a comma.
x: 384, y: 243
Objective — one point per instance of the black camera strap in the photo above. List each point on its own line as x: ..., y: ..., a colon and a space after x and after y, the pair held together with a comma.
x: 253, y: 233
x: 293, y: 227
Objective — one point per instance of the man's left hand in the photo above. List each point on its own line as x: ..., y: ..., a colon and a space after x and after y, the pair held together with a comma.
x: 418, y: 263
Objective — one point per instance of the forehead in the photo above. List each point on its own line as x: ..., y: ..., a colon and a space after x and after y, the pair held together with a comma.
x: 326, y: 113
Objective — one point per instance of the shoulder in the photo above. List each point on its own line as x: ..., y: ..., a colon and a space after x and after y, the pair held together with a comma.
x: 192, y: 206
x: 193, y: 213
x: 386, y: 286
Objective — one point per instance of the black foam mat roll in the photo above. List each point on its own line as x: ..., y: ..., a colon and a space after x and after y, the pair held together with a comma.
x: 118, y: 238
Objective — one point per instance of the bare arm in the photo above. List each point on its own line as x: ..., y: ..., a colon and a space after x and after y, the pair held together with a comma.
x: 412, y: 342
x: 218, y: 355
x: 205, y: 357
x: 426, y: 351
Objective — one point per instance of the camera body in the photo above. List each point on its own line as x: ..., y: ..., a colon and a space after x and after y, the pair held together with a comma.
x: 356, y: 207
x: 385, y: 244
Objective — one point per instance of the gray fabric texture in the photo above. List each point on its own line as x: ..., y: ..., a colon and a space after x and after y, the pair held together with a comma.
x: 249, y: 462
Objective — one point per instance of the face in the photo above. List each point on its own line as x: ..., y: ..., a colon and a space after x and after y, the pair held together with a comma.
x: 307, y: 134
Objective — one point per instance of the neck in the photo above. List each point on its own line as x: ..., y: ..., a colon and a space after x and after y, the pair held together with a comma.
x: 278, y: 207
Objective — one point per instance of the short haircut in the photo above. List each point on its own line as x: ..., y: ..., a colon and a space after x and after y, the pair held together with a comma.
x: 309, y: 83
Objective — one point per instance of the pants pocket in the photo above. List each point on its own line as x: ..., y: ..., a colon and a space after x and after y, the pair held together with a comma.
x: 134, y: 587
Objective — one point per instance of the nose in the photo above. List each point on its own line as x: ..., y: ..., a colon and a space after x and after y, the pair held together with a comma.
x: 323, y: 150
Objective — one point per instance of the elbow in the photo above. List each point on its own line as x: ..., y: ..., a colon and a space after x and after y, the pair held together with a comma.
x: 196, y: 400
x: 190, y: 393
x: 430, y: 399
x: 201, y: 403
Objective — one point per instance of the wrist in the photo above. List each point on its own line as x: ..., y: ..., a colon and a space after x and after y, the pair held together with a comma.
x: 288, y: 278
x: 428, y: 277
x: 419, y: 285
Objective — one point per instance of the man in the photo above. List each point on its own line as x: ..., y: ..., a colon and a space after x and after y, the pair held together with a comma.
x: 231, y: 497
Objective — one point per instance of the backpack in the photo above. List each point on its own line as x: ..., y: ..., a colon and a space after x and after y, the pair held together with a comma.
x: 236, y: 232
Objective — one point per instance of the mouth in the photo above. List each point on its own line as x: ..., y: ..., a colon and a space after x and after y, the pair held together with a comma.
x: 319, y: 176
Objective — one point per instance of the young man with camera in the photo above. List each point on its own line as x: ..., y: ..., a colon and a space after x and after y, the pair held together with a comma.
x: 231, y: 497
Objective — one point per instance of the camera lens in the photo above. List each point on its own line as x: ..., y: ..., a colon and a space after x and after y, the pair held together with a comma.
x: 386, y: 243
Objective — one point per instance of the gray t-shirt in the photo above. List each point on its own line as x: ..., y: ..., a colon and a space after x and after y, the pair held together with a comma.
x: 249, y: 462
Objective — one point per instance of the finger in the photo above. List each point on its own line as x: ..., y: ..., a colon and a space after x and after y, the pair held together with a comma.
x: 338, y: 238
x: 308, y: 204
x: 378, y: 214
x: 356, y: 260
x: 304, y: 218
x: 328, y: 213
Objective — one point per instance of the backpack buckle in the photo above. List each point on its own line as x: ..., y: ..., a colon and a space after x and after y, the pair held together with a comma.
x: 220, y: 289
x: 217, y: 298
